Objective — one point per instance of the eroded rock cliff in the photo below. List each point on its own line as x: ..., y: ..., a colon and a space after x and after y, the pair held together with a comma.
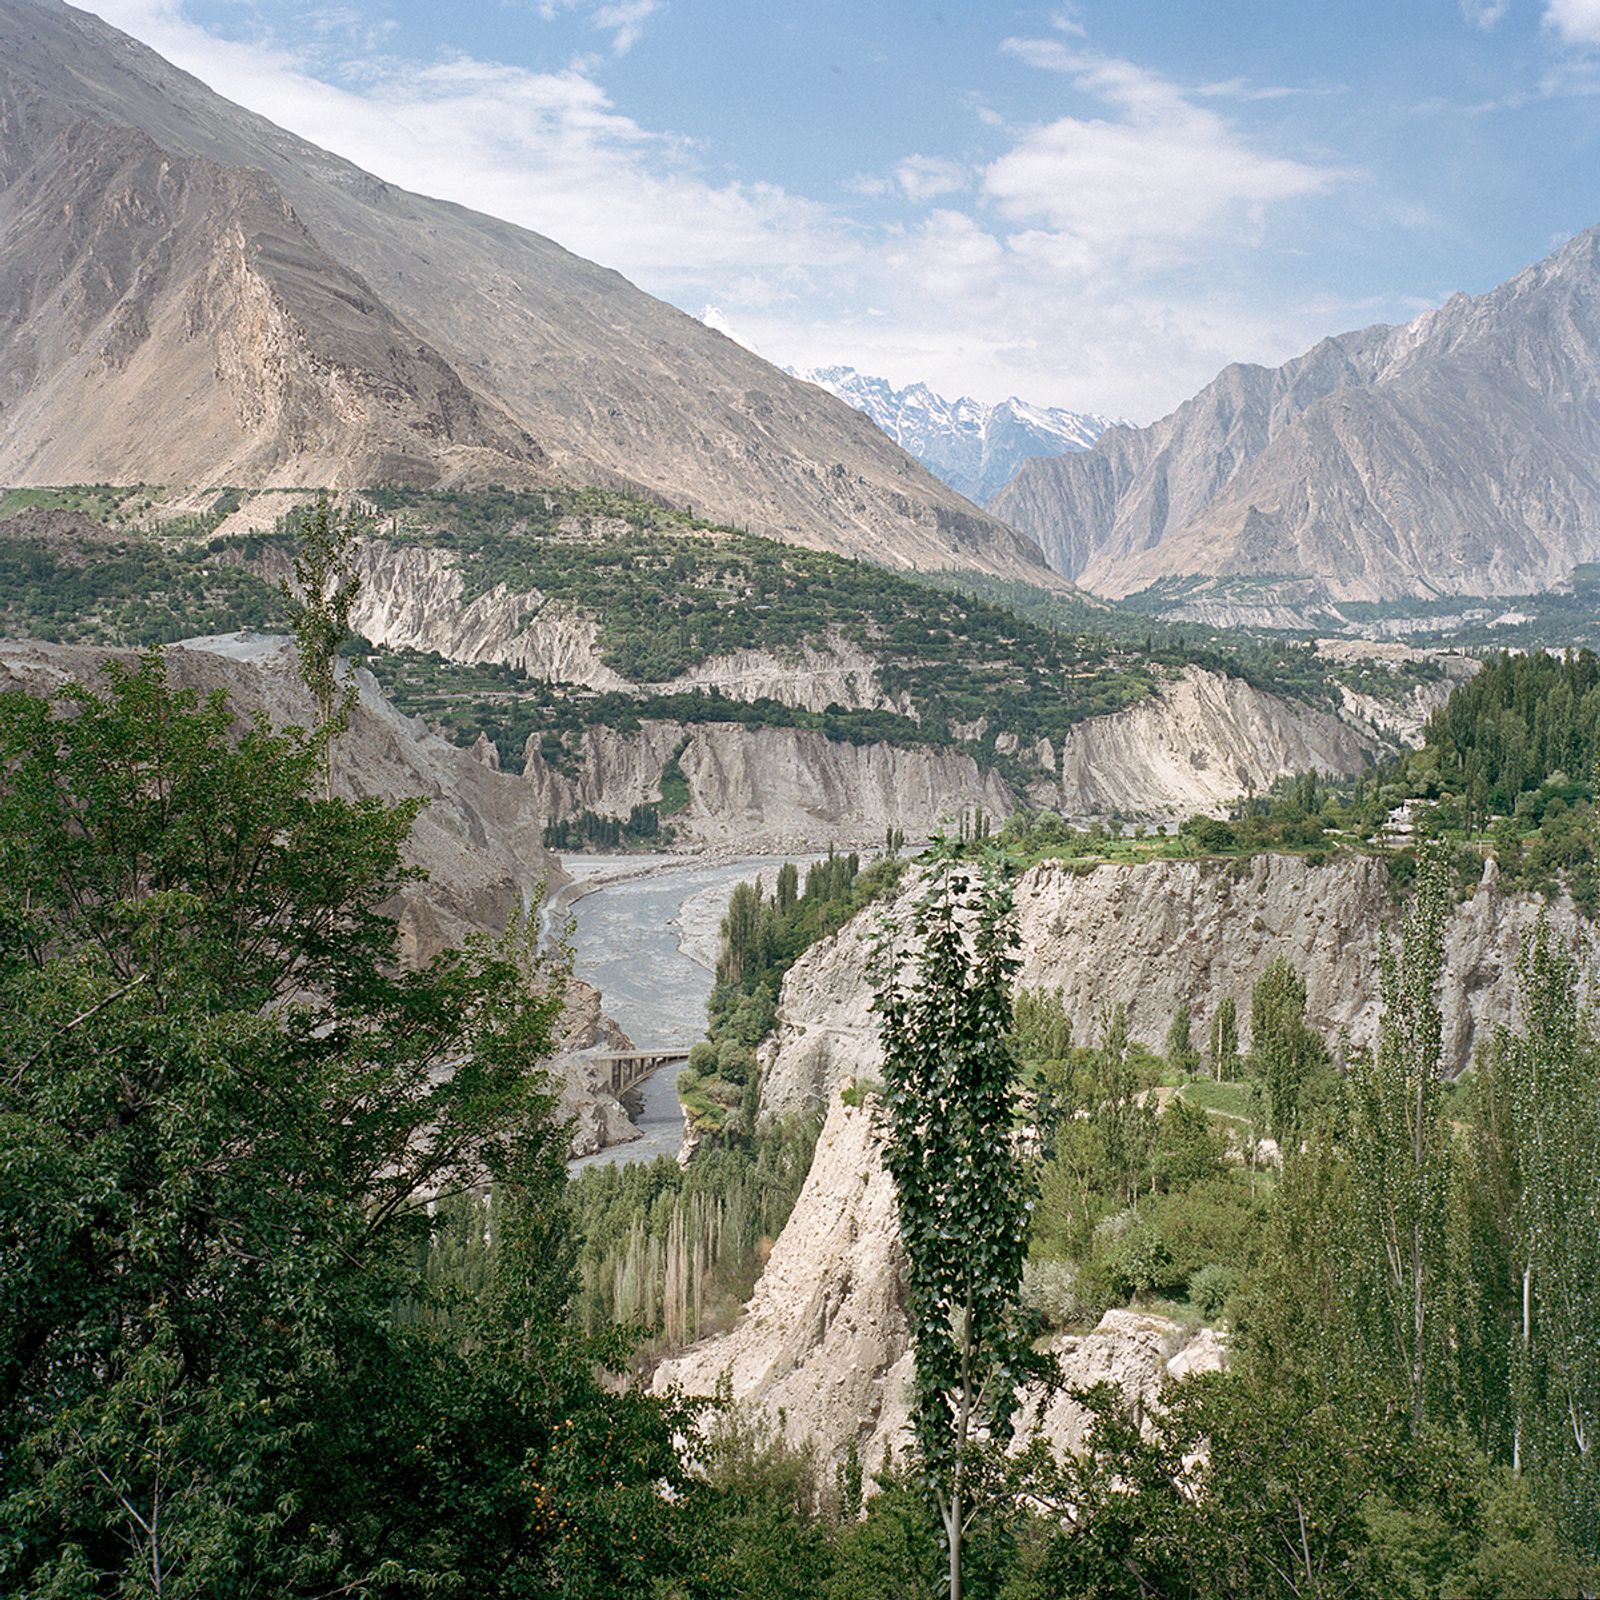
x: 768, y: 788
x: 1197, y: 744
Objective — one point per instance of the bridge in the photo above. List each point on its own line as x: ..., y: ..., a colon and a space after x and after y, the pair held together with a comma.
x: 629, y: 1067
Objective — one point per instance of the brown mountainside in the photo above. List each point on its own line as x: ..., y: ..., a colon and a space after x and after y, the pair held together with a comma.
x: 189, y: 294
x: 1459, y: 454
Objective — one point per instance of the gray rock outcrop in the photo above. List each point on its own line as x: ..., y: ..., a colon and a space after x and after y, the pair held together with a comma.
x: 1197, y: 744
x: 769, y: 788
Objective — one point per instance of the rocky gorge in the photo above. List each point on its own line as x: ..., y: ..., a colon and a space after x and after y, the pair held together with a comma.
x: 823, y: 1348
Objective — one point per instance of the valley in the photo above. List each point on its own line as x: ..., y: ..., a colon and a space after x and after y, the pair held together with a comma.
x: 631, y: 973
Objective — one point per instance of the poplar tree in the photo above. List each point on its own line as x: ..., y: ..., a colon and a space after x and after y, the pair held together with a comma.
x: 1222, y: 1056
x: 320, y: 600
x: 1179, y: 1049
x: 1284, y: 1052
x: 947, y: 1126
x: 1550, y: 1087
x: 1400, y: 1158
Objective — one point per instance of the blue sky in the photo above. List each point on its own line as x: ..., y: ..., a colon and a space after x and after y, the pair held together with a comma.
x: 1095, y: 205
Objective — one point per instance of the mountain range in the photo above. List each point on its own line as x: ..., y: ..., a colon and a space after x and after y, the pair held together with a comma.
x: 1457, y: 455
x: 191, y: 295
x: 974, y: 447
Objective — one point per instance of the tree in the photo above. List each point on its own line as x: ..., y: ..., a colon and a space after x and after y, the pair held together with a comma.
x: 1179, y: 1049
x: 1546, y: 1082
x: 224, y: 1114
x: 1222, y: 1054
x: 1400, y: 1158
x: 1285, y: 1055
x: 1123, y: 1119
x: 947, y: 1118
x: 319, y: 600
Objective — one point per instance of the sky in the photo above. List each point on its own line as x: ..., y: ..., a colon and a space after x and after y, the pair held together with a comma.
x: 1095, y: 205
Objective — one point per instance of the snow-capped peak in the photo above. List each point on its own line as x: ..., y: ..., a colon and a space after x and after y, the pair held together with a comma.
x: 973, y: 446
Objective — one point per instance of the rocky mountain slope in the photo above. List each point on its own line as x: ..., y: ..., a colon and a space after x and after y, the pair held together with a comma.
x: 824, y: 1344
x: 1195, y: 745
x: 974, y: 447
x: 189, y: 294
x: 1459, y: 454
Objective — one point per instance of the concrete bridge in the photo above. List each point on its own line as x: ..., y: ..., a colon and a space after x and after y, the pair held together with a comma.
x: 633, y: 1066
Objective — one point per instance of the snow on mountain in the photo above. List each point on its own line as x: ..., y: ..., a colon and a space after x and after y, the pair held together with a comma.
x: 974, y: 447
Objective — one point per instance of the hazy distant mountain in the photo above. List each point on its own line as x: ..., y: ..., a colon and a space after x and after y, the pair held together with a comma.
x: 1459, y: 454
x: 974, y: 447
x: 189, y: 294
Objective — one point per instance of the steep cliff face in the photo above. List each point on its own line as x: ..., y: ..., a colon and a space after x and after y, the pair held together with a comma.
x: 413, y: 598
x: 1163, y: 934
x: 824, y: 1341
x: 777, y: 788
x: 1192, y: 933
x: 1196, y: 745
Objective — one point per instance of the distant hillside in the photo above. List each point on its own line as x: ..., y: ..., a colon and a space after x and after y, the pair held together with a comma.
x: 973, y: 447
x: 617, y: 653
x: 189, y: 294
x: 1458, y: 455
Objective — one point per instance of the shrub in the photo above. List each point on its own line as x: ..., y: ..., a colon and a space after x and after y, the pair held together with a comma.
x: 1054, y: 1290
x: 1211, y: 1288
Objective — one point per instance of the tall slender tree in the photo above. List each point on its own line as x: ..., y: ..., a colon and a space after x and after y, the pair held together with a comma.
x: 326, y: 584
x: 947, y: 1125
x: 1400, y: 1158
x: 1550, y: 1087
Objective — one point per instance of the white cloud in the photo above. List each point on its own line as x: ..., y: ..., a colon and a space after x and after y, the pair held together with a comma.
x: 624, y: 20
x: 1144, y: 183
x: 927, y: 177
x: 1576, y: 21
x: 1048, y: 273
x: 1484, y: 14
x: 548, y: 150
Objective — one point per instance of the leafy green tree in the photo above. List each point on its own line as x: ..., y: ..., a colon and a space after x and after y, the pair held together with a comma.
x: 947, y: 1116
x: 1547, y: 1080
x: 1222, y: 1053
x: 326, y: 584
x: 1122, y: 1116
x: 1042, y: 1041
x: 1285, y: 1054
x: 1400, y: 1161
x: 1179, y: 1048
x: 224, y: 1114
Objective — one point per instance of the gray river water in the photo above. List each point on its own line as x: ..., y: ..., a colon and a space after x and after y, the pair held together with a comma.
x: 630, y: 942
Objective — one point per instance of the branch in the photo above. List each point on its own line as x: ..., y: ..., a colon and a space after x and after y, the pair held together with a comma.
x: 84, y: 1016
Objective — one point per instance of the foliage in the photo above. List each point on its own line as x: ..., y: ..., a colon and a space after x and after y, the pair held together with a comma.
x: 224, y: 1112
x: 1287, y: 1059
x: 1400, y: 1158
x: 675, y: 1250
x: 1235, y: 1488
x: 319, y: 602
x: 948, y: 1104
x: 1537, y: 1129
x: 761, y: 939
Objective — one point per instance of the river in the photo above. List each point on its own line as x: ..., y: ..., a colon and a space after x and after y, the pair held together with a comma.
x: 647, y: 941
